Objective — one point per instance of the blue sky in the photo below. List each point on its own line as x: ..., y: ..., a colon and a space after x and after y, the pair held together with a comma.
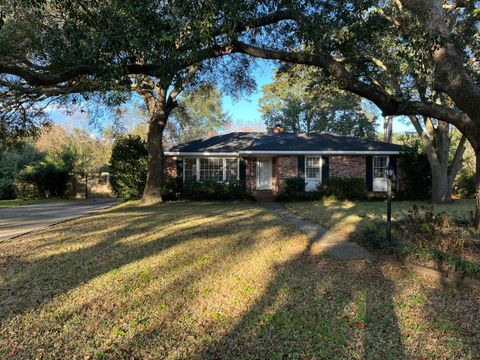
x: 244, y: 111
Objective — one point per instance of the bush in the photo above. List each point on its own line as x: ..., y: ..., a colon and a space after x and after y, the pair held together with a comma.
x: 417, y: 179
x: 429, y: 230
x: 170, y: 189
x: 465, y: 185
x: 42, y: 180
x: 128, y: 167
x: 12, y: 161
x: 294, y: 190
x: 372, y: 234
x: 213, y: 190
x: 344, y: 188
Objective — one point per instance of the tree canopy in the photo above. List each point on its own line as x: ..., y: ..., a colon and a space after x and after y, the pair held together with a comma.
x: 409, y: 57
x: 301, y: 100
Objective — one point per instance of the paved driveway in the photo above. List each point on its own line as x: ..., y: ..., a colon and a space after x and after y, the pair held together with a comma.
x: 20, y: 220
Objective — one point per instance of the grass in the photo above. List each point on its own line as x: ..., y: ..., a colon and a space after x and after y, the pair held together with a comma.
x: 209, y: 280
x: 364, y: 222
x: 344, y: 215
x: 19, y: 202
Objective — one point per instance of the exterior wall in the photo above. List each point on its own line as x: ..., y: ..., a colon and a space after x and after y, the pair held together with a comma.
x: 283, y: 167
x: 348, y: 166
x: 251, y: 174
x: 287, y: 166
x: 171, y: 166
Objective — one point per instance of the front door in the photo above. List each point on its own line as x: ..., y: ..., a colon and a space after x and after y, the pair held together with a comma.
x: 264, y: 174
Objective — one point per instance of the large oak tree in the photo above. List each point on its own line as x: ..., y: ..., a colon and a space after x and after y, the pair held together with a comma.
x: 155, y: 48
x: 167, y: 40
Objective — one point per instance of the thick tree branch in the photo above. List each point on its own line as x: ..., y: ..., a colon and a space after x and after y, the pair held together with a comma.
x: 457, y: 160
x: 389, y: 104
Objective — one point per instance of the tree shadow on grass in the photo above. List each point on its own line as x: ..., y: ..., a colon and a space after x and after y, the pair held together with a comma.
x: 32, y: 283
x: 316, y: 307
x: 440, y: 320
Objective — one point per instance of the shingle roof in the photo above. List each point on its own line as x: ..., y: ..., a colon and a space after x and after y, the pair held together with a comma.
x: 284, y: 142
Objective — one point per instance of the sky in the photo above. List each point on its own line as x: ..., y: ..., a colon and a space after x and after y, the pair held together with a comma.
x: 244, y: 112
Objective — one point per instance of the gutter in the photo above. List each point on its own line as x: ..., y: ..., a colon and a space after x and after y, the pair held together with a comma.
x: 280, y: 152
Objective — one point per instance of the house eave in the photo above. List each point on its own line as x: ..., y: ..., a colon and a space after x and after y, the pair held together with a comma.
x: 280, y: 152
x: 323, y: 152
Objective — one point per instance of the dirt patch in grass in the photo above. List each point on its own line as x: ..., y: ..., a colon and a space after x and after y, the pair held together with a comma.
x: 209, y: 280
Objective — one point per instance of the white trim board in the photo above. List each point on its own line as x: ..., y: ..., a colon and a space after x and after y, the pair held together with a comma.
x: 246, y: 152
x: 324, y: 152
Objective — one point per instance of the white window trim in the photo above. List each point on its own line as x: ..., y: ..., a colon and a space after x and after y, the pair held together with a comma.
x: 373, y: 164
x: 224, y: 167
x: 320, y: 160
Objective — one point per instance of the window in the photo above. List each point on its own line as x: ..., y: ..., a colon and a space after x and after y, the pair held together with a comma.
x: 211, y: 169
x: 379, y: 165
x: 190, y: 168
x: 312, y: 167
x: 231, y: 169
x: 217, y: 169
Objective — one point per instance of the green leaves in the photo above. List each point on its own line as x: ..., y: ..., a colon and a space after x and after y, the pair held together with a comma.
x: 302, y: 99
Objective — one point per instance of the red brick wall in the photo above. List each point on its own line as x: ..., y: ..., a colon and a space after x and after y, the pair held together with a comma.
x: 170, y: 166
x: 283, y: 167
x: 348, y: 166
x: 251, y: 174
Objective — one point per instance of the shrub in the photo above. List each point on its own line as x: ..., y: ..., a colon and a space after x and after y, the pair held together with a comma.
x: 293, y: 189
x: 214, y: 190
x: 42, y: 180
x: 128, y: 167
x: 417, y: 179
x: 465, y: 185
x: 372, y: 234
x: 429, y: 230
x: 12, y: 161
x: 344, y: 188
x: 294, y: 185
x: 170, y: 189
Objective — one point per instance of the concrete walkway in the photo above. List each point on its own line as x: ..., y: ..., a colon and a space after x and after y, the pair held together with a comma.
x: 329, y: 243
x: 20, y: 220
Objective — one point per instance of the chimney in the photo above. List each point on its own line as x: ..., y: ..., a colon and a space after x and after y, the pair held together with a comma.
x: 278, y: 128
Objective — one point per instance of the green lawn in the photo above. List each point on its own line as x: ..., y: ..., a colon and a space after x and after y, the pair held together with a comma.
x: 346, y: 215
x: 209, y: 280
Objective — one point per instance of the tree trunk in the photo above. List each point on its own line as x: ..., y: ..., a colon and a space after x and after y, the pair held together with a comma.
x: 477, y: 190
x: 153, y: 187
x: 387, y: 129
x: 441, y: 190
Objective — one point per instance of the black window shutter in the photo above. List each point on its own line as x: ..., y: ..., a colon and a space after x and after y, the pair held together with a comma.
x: 243, y: 170
x: 325, y: 167
x: 369, y: 174
x: 393, y: 162
x: 301, y: 166
x: 179, y: 166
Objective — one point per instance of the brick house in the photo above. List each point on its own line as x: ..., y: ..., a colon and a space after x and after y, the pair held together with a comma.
x: 263, y: 160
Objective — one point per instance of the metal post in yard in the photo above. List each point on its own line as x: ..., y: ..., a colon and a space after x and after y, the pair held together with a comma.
x: 389, y: 209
